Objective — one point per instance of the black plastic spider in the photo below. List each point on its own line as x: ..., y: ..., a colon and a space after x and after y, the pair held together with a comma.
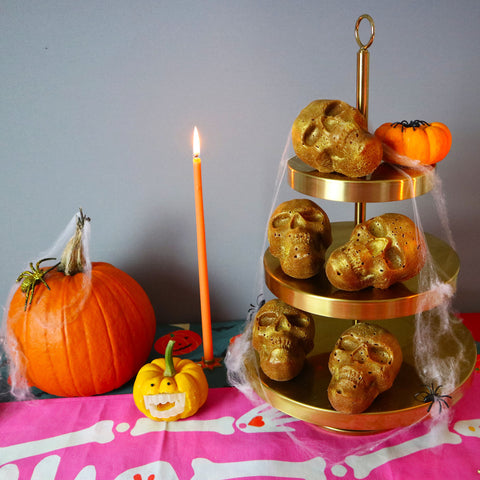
x: 255, y: 308
x: 30, y: 278
x: 432, y: 395
x: 412, y: 124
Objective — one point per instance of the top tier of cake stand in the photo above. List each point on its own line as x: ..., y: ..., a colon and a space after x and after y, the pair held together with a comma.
x: 387, y: 183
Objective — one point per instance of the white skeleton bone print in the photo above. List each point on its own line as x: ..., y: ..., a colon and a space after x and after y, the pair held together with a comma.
x: 262, y: 418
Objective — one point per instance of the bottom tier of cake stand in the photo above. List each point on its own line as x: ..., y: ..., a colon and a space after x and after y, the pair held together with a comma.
x: 305, y: 397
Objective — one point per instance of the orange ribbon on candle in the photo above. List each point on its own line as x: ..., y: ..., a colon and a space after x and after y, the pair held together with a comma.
x: 202, y: 252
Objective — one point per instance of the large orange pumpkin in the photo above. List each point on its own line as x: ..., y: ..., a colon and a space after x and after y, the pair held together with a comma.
x: 82, y: 334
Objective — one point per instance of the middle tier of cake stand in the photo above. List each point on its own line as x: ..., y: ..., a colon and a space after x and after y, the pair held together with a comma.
x: 316, y: 295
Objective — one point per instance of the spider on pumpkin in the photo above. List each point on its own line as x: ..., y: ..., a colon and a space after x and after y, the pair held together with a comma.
x: 432, y: 395
x: 30, y: 278
x: 412, y: 124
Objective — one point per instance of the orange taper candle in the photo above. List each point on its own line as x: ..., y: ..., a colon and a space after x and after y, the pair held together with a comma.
x: 202, y: 252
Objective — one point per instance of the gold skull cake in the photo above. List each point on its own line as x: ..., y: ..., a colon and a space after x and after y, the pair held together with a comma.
x: 332, y: 136
x: 381, y: 251
x: 299, y: 232
x: 282, y: 335
x: 364, y: 363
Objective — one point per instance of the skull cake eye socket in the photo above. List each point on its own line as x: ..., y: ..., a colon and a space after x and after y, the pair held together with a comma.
x: 298, y: 321
x: 348, y: 343
x: 395, y: 258
x: 312, y: 134
x: 379, y: 355
x: 376, y: 229
x: 281, y: 221
x: 313, y: 216
x: 266, y: 320
x: 334, y: 109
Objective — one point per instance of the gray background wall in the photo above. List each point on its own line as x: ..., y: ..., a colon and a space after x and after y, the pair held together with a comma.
x: 98, y: 101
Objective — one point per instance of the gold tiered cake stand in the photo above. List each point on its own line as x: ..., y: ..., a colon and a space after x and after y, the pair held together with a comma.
x: 305, y: 397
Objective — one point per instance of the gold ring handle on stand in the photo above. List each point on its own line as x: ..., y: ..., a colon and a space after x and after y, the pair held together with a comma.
x: 357, y: 33
x: 362, y: 89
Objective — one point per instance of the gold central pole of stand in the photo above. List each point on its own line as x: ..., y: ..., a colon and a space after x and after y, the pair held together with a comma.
x: 362, y: 90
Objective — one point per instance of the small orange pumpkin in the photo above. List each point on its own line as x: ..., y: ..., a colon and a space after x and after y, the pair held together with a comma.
x: 79, y: 334
x: 427, y: 143
x: 170, y: 388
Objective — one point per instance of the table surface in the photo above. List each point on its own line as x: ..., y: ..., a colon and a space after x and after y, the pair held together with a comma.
x: 106, y: 437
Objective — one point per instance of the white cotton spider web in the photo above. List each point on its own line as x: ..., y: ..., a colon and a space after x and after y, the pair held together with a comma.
x: 436, y: 328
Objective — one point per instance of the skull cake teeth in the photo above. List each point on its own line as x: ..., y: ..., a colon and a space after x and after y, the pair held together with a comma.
x: 332, y: 136
x: 299, y: 233
x: 364, y: 363
x: 282, y: 335
x: 381, y: 251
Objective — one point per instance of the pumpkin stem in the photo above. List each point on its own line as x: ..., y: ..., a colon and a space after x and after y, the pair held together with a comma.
x: 73, y: 257
x: 169, y: 368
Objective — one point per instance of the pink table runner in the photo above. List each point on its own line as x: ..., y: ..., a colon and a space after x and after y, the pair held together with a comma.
x: 106, y: 437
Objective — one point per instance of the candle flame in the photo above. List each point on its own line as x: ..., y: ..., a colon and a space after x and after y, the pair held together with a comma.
x: 196, y: 143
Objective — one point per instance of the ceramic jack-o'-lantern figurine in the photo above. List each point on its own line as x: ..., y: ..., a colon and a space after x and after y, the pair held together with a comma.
x: 332, y: 136
x: 170, y: 388
x: 282, y: 335
x: 299, y: 233
x: 381, y: 251
x: 364, y: 363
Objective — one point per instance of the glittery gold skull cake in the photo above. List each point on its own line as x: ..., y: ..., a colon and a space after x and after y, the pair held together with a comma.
x: 381, y: 251
x: 282, y: 335
x: 364, y: 363
x: 332, y: 136
x: 299, y: 233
